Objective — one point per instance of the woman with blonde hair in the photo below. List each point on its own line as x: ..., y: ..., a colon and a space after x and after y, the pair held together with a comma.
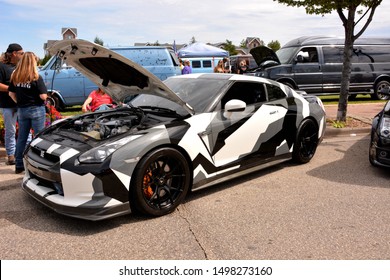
x: 29, y: 92
x: 220, y: 67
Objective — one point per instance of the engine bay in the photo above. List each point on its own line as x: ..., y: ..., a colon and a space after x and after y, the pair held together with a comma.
x: 103, y: 125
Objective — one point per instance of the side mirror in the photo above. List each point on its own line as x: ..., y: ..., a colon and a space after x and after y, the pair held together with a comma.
x: 234, y: 105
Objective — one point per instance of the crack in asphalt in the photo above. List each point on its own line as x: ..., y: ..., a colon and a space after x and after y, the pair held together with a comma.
x: 182, y: 214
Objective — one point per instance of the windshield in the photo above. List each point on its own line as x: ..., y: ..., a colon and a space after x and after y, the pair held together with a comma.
x: 199, y: 93
x: 285, y: 55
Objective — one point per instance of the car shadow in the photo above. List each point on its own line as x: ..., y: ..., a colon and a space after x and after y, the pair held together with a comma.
x: 40, y: 218
x: 344, y: 171
x: 353, y: 168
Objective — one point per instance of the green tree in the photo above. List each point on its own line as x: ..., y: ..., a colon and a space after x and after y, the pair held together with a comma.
x: 351, y: 12
x: 44, y: 60
x: 243, y: 44
x: 274, y: 45
x: 98, y: 41
x: 230, y: 47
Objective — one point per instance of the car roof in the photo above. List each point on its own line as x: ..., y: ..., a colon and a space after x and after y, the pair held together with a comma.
x: 328, y: 40
x: 220, y: 76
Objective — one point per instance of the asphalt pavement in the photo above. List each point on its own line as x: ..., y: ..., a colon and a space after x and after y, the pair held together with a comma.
x: 363, y: 112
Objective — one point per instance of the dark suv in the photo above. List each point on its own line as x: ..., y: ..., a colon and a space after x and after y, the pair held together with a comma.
x: 314, y: 65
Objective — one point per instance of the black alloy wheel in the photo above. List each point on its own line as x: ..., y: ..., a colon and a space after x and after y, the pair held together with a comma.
x: 160, y: 182
x: 306, y: 142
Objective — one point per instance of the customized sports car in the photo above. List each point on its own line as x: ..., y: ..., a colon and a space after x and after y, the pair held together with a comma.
x: 183, y: 134
x: 379, y: 154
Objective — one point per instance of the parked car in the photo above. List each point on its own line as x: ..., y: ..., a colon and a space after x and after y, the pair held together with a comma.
x: 68, y: 87
x: 379, y: 153
x: 183, y: 134
x: 160, y: 61
x: 314, y: 64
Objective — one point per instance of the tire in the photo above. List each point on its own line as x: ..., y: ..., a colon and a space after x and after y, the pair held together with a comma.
x: 54, y: 101
x: 160, y: 182
x: 379, y: 86
x: 306, y: 142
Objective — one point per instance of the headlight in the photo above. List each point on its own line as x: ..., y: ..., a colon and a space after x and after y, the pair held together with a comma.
x: 385, y: 127
x: 99, y: 154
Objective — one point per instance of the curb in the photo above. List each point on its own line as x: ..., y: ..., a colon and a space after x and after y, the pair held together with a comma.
x: 333, y: 131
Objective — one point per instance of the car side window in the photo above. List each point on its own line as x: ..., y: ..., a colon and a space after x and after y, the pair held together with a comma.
x: 59, y: 64
x: 372, y: 54
x: 332, y: 55
x: 275, y: 93
x: 196, y: 64
x: 335, y: 55
x: 207, y: 64
x: 307, y: 55
x: 250, y: 93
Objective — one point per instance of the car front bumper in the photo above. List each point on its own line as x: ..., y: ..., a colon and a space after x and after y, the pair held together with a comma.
x: 98, y: 208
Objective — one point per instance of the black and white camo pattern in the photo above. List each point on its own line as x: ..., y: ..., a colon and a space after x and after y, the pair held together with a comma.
x: 218, y: 148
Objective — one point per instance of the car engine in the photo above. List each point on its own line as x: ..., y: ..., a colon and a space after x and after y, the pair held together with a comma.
x: 101, y: 126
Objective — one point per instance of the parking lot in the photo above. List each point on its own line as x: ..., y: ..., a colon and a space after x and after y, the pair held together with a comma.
x: 335, y: 207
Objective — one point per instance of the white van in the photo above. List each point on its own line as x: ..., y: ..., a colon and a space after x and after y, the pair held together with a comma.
x: 160, y: 61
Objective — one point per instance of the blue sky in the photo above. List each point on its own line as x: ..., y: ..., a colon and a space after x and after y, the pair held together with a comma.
x: 125, y: 22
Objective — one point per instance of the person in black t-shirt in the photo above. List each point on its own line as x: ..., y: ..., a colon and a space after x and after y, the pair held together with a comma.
x: 29, y: 92
x: 7, y: 105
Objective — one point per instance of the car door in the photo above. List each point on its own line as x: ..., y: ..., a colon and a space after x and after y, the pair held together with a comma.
x: 307, y: 70
x: 67, y: 81
x: 332, y: 68
x: 240, y: 136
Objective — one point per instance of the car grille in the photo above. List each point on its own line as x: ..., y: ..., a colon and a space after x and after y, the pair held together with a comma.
x: 45, y: 168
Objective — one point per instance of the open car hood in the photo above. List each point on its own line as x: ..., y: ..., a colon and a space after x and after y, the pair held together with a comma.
x: 262, y: 54
x: 116, y: 75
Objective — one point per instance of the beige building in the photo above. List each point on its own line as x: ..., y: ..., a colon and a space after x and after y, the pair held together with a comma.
x: 67, y: 33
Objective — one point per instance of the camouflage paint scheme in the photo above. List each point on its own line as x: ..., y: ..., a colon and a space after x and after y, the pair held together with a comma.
x: 216, y: 147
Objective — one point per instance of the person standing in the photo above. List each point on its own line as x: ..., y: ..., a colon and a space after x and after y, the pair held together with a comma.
x: 7, y: 106
x: 29, y: 92
x: 219, y: 68
x: 187, y: 68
